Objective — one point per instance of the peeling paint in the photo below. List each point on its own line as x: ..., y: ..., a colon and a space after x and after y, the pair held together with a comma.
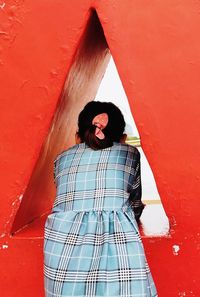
x: 181, y: 294
x: 2, y: 5
x: 16, y: 201
x: 53, y: 73
x: 24, y: 83
x: 3, y: 33
x: 64, y: 48
x: 39, y: 117
x: 9, y: 25
x: 45, y: 89
x: 4, y: 246
x: 8, y: 223
x: 176, y: 250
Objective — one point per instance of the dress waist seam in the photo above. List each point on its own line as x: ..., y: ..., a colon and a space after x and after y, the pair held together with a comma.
x: 122, y: 209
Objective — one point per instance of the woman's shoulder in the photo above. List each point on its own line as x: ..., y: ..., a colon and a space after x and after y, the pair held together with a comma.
x: 126, y: 147
x: 70, y: 151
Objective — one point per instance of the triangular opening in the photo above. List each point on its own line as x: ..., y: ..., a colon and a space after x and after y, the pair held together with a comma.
x: 83, y: 79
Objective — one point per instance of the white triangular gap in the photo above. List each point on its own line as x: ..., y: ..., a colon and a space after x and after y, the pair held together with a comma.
x: 154, y: 219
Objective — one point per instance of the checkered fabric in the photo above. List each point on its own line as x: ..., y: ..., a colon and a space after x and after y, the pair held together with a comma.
x: 92, y: 245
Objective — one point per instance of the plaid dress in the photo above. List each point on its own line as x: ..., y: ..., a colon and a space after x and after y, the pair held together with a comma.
x: 92, y: 246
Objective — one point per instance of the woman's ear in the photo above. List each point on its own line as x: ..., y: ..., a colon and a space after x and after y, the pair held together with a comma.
x: 77, y: 138
x: 123, y: 138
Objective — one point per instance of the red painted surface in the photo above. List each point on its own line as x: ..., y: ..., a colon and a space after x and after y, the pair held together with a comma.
x: 156, y: 48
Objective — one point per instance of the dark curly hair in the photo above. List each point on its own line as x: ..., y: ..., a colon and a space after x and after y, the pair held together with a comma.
x: 113, y: 131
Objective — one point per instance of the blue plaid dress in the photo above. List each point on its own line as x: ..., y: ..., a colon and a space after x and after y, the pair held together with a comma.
x: 92, y: 246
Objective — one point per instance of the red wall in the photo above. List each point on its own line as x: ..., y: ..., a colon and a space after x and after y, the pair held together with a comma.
x: 156, y: 48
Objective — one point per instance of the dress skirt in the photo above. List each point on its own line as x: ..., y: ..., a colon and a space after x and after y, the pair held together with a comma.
x: 95, y: 253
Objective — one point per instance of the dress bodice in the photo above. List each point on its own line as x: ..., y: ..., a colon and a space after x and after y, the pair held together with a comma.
x: 89, y: 179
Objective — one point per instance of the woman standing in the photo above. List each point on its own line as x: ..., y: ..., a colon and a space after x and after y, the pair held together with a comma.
x: 92, y: 244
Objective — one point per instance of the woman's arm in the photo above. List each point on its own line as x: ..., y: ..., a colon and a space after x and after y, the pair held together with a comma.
x: 136, y: 191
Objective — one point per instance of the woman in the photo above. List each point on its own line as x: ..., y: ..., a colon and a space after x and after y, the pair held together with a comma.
x: 92, y: 244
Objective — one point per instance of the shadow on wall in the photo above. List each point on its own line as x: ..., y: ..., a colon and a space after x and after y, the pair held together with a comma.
x: 86, y: 72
